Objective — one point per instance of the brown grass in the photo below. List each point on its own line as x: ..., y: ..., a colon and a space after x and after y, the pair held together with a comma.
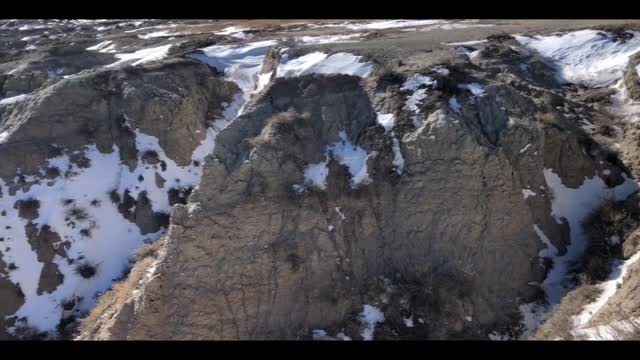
x: 560, y: 322
x: 122, y: 290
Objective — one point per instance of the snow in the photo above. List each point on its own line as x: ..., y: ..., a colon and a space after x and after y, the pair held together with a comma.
x: 398, y: 159
x: 549, y: 251
x: 467, y: 51
x: 454, y: 105
x: 236, y: 32
x: 525, y: 148
x: 240, y: 63
x: 616, y: 330
x: 318, y: 333
x: 328, y: 39
x: 418, y: 85
x: 340, y: 213
x: 408, y: 322
x: 574, y: 205
x: 571, y: 205
x: 589, y: 57
x: 467, y: 43
x: 526, y: 193
x: 3, y: 136
x: 320, y: 63
x: 14, y: 99
x: 387, y: 121
x: 55, y: 72
x: 608, y: 287
x: 354, y: 157
x: 622, y: 104
x: 112, y: 238
x: 263, y: 80
x: 155, y: 34
x: 143, y: 56
x: 441, y: 70
x: 152, y: 27
x: 390, y: 24
x: 474, y: 88
x: 369, y: 318
x: 315, y: 175
x: 104, y: 47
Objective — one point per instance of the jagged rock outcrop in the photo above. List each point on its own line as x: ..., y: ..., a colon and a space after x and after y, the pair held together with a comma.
x: 251, y: 256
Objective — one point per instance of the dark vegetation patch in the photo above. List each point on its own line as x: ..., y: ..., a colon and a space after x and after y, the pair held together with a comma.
x: 86, y: 270
x: 179, y: 195
x: 28, y: 209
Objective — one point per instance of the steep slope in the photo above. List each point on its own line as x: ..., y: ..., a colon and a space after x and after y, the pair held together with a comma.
x: 423, y: 203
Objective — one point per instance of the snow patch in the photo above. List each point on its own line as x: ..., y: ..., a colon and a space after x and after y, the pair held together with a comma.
x: 467, y: 43
x: 573, y: 205
x: 608, y: 287
x: 590, y: 57
x: 454, y: 105
x: 143, y: 56
x: 418, y: 85
x: 320, y: 63
x: 316, y: 174
x: 474, y: 88
x: 354, y: 157
x: 14, y: 99
x: 328, y: 39
x: 525, y: 148
x: 398, y: 159
x: 369, y: 318
x: 526, y: 193
x: 387, y: 121
x: 240, y: 63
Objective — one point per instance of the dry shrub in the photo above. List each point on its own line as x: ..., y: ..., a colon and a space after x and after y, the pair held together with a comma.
x: 560, y: 323
x: 122, y: 290
x: 600, y: 226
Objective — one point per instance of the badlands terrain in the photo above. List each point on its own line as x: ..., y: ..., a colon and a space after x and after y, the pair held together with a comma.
x: 319, y: 179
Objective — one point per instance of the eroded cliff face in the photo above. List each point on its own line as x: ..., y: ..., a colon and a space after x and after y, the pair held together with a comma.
x: 302, y: 192
x: 310, y: 212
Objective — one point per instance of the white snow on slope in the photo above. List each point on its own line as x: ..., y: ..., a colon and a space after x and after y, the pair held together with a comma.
x: 574, y: 205
x: 156, y: 34
x: 236, y: 32
x: 571, y: 205
x: 354, y: 157
x: 622, y: 104
x: 143, y: 56
x: 467, y: 43
x: 616, y: 330
x: 418, y: 85
x: 320, y: 63
x: 588, y: 57
x: 474, y: 88
x: 398, y: 159
x: 369, y: 318
x: 387, y: 121
x: 526, y: 193
x: 454, y: 105
x: 609, y: 288
x: 240, y: 63
x: 389, y: 24
x: 328, y: 39
x: 104, y: 47
x: 14, y: 99
x: 316, y: 174
x: 108, y: 239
